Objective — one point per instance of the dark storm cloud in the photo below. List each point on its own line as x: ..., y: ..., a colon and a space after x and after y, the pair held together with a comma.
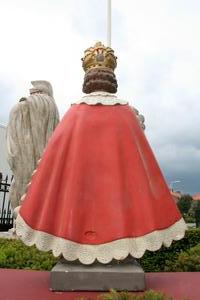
x: 189, y: 183
x: 173, y: 127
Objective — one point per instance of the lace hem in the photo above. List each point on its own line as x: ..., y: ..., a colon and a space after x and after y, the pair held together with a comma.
x: 103, y: 98
x: 104, y: 253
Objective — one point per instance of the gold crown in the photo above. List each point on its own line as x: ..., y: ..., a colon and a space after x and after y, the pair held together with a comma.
x: 99, y: 56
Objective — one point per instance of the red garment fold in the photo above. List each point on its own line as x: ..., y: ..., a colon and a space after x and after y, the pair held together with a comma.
x: 98, y: 180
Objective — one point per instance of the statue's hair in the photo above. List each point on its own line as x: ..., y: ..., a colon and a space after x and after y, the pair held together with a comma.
x: 100, y: 80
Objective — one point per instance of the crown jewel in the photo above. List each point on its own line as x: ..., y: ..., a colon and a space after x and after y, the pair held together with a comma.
x: 99, y: 56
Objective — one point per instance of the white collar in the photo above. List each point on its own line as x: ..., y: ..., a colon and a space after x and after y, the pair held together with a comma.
x: 100, y: 97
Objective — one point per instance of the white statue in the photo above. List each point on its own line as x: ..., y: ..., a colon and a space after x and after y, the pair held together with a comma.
x: 31, y: 123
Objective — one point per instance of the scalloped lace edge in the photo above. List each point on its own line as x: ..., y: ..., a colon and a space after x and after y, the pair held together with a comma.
x: 101, y: 98
x: 104, y: 253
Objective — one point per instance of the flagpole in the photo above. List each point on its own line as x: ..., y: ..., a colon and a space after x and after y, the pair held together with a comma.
x: 109, y: 23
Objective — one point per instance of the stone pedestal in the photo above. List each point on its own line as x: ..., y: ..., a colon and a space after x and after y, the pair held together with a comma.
x: 73, y: 276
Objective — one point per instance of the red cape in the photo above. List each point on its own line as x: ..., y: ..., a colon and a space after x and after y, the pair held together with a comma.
x: 98, y: 180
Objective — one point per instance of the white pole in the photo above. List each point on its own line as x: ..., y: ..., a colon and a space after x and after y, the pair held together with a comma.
x: 109, y: 23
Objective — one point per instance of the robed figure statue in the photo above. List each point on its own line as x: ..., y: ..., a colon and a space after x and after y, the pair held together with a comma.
x: 98, y: 192
x: 31, y: 123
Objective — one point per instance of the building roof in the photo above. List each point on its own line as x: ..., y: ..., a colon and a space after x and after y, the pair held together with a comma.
x: 196, y: 197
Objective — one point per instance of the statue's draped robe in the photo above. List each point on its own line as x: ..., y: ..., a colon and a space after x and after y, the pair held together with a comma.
x: 98, y: 192
x: 30, y: 126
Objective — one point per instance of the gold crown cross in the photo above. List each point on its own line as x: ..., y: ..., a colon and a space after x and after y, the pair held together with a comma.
x: 99, y: 56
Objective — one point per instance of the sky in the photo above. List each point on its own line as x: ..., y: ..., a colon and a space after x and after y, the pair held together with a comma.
x: 158, y: 48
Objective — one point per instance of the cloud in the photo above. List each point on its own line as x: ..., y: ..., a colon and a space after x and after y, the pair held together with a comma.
x: 161, y: 70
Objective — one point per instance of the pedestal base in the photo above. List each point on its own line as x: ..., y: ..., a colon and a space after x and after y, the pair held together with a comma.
x: 126, y: 275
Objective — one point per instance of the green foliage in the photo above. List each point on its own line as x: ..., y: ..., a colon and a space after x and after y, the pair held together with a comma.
x: 157, y: 261
x: 198, y: 205
x: 149, y: 295
x: 197, y: 216
x: 189, y: 217
x: 14, y: 254
x: 184, y: 204
x: 188, y: 261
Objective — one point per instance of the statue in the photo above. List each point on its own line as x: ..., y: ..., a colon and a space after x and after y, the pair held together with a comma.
x: 98, y: 193
x: 31, y: 123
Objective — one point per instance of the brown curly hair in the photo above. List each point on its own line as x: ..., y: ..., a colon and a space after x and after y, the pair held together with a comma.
x: 100, y: 80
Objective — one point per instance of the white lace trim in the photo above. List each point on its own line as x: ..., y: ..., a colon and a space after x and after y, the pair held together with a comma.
x: 104, y: 253
x: 101, y: 98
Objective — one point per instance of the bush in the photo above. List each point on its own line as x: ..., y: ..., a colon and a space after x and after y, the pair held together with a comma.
x: 156, y: 261
x: 189, y: 217
x: 184, y: 203
x: 15, y: 255
x: 188, y: 261
x: 149, y: 295
x: 188, y: 207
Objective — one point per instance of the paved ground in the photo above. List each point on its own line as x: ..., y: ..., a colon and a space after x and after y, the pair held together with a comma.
x: 34, y: 285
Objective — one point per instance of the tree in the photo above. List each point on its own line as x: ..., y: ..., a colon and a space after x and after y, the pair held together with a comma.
x: 184, y: 203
